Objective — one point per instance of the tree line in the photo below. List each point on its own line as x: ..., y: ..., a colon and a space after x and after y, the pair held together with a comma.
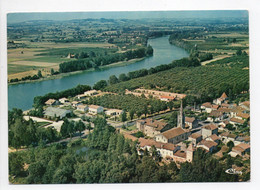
x: 94, y: 62
x: 184, y: 62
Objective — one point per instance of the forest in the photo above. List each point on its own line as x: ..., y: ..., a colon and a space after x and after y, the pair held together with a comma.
x: 109, y: 158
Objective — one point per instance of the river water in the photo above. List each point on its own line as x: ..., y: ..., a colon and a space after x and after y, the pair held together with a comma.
x: 21, y: 95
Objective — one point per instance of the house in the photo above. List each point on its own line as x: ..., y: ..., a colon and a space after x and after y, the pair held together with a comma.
x: 214, y: 138
x: 195, y: 138
x: 82, y: 107
x: 224, y: 110
x: 209, y: 130
x: 51, y: 102
x: 216, y: 115
x: 174, y: 135
x: 63, y: 100
x: 81, y: 96
x: 114, y: 112
x: 192, y: 122
x: 91, y: 93
x: 235, y: 110
x: 165, y: 149
x: 236, y: 121
x: 245, y: 139
x: 207, y: 106
x: 166, y: 98
x: 207, y: 145
x: 242, y: 116
x: 240, y: 149
x: 94, y: 109
x: 225, y: 105
x: 75, y: 103
x: 245, y: 105
x: 53, y: 112
x: 226, y: 137
x: 222, y: 125
x: 151, y: 127
x: 221, y: 99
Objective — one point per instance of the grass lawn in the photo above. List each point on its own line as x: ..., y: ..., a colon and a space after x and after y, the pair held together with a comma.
x: 13, y: 68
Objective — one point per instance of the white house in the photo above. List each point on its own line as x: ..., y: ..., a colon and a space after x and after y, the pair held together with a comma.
x: 209, y: 130
x: 114, y: 112
x: 81, y: 96
x: 94, y: 109
x: 82, y: 107
x: 209, y: 146
x: 192, y: 122
x: 63, y: 100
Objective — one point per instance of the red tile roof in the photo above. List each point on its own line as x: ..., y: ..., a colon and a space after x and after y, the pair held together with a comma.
x: 210, y: 127
x: 195, y: 135
x: 223, y: 95
x: 189, y: 119
x: 214, y: 137
x: 149, y: 142
x: 235, y: 120
x: 180, y: 153
x: 174, y: 132
x: 208, y: 144
x: 158, y: 125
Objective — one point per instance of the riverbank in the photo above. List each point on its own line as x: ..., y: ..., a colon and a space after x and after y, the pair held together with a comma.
x: 61, y: 75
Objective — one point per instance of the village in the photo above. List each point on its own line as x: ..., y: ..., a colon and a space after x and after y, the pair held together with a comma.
x: 222, y: 132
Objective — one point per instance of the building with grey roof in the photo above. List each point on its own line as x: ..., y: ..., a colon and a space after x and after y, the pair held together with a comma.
x: 56, y: 112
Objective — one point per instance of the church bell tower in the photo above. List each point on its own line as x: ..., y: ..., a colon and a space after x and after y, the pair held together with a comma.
x: 181, y: 118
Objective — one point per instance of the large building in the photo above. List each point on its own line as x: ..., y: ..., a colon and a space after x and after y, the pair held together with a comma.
x: 174, y: 135
x: 151, y: 127
x: 53, y: 112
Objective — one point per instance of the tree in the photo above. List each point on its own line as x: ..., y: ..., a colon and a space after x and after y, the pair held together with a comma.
x: 52, y: 71
x: 15, y: 164
x: 239, y: 52
x: 89, y: 127
x: 123, y: 116
x: 80, y: 126
x: 131, y: 114
x: 100, y: 85
x: 39, y: 74
x: 113, y: 79
x: 122, y: 77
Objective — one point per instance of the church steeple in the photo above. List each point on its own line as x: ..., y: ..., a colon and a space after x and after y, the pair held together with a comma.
x: 181, y: 118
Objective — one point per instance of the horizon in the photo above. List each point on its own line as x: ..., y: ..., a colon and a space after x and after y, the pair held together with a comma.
x: 62, y: 16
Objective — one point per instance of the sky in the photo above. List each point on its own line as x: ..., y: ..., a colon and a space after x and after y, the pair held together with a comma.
x: 20, y: 17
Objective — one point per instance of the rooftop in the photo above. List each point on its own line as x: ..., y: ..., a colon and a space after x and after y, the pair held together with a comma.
x: 189, y: 119
x: 50, y: 101
x: 174, y: 132
x: 224, y: 96
x: 207, y: 143
x: 158, y: 125
x: 195, y: 135
x: 94, y: 106
x: 236, y: 120
x: 210, y: 127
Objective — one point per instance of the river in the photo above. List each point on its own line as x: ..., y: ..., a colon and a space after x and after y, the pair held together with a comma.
x: 21, y: 95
